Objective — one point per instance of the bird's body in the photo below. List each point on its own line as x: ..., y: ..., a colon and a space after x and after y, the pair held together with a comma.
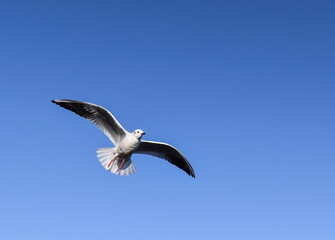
x: 123, y: 151
x: 128, y: 145
x: 117, y: 160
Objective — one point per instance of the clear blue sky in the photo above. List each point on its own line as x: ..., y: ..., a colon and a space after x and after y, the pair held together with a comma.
x: 244, y: 89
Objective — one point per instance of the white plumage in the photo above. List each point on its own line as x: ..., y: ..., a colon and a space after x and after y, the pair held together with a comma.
x: 117, y: 160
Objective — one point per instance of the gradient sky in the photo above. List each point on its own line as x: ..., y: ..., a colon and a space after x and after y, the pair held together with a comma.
x: 244, y: 89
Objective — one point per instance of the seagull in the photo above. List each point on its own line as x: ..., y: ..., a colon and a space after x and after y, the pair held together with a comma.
x: 117, y: 160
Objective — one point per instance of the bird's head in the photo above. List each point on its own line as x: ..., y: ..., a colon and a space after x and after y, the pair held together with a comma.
x: 138, y: 133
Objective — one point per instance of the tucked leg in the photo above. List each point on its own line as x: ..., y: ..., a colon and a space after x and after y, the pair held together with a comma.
x: 120, y: 166
x: 111, y: 161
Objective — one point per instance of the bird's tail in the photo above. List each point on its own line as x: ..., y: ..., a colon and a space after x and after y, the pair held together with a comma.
x: 106, y: 155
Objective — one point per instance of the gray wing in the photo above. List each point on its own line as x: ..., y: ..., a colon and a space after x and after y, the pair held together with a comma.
x: 167, y: 152
x: 99, y: 116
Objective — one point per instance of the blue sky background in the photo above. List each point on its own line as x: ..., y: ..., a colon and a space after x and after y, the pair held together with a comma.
x: 244, y: 89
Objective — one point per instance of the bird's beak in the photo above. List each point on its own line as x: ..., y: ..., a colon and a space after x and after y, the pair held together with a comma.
x: 143, y: 133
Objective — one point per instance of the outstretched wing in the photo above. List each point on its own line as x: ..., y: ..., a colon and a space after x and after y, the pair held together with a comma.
x: 99, y: 116
x: 167, y: 152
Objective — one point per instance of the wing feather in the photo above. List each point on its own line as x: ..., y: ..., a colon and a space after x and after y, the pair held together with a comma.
x: 99, y: 116
x: 167, y: 152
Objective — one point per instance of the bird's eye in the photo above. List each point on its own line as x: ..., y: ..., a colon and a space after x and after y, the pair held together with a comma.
x: 137, y: 131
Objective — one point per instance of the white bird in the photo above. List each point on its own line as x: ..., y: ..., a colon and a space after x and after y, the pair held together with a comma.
x: 117, y: 160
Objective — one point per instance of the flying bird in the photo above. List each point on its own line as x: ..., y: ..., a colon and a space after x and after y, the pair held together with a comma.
x: 117, y: 160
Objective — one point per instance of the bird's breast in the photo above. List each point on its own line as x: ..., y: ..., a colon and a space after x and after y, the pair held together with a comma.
x: 128, y: 145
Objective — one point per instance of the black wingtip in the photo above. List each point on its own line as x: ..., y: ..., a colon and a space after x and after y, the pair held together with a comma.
x: 190, y: 171
x: 53, y: 101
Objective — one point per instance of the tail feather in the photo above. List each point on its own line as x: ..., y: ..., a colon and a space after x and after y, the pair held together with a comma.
x: 105, y: 155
